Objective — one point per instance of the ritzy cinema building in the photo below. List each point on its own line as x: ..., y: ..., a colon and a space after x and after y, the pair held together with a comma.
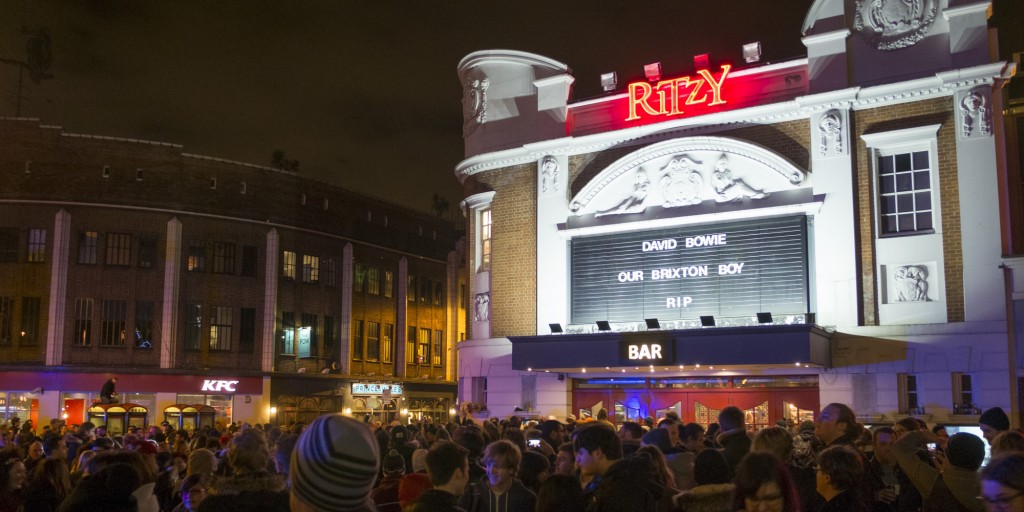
x: 770, y: 236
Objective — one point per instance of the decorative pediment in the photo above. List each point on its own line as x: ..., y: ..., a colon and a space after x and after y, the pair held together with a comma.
x: 894, y: 24
x: 687, y: 172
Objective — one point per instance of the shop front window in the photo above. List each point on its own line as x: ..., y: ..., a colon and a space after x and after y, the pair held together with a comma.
x: 220, y: 403
x: 147, y: 400
x: 21, y: 405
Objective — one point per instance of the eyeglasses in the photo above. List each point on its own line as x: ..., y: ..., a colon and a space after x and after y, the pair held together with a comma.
x: 1000, y: 502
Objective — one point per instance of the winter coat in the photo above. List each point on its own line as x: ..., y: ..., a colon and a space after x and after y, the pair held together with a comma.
x: 706, y: 498
x: 254, y: 492
x: 434, y: 500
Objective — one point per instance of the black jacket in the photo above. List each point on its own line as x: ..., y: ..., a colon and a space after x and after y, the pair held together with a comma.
x: 434, y: 500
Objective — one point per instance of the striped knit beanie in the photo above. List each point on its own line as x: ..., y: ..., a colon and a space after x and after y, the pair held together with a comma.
x: 334, y: 464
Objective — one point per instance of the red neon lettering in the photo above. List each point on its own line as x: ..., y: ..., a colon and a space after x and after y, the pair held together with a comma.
x: 669, y: 92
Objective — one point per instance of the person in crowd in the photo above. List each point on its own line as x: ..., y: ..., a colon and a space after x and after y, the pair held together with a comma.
x: 691, y: 437
x: 565, y: 460
x: 201, y: 462
x: 1008, y: 441
x: 448, y: 468
x: 534, y: 469
x: 763, y: 484
x: 630, y: 434
x: 839, y: 475
x: 472, y: 439
x: 334, y: 465
x: 680, y: 463
x: 734, y: 439
x: 1002, y: 483
x: 385, y: 495
x: 560, y: 493
x: 711, y: 435
x: 419, y: 460
x: 411, y: 486
x: 55, y: 448
x: 992, y: 422
x: 837, y: 425
x: 249, y: 486
x: 662, y: 472
x: 602, y: 417
x: 941, y: 435
x: 143, y: 492
x: 904, y: 425
x: 108, y: 393
x: 193, y: 492
x: 714, y: 488
x: 552, y: 432
x: 501, y: 490
x: 35, y: 455
x: 400, y: 441
x: 779, y: 442
x: 109, y: 489
x: 283, y: 449
x: 49, y: 485
x: 12, y: 480
x: 596, y: 452
x: 78, y: 469
x: 952, y: 480
x: 892, y: 490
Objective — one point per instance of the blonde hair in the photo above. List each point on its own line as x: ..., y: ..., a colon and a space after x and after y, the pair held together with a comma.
x: 503, y: 453
x: 775, y: 440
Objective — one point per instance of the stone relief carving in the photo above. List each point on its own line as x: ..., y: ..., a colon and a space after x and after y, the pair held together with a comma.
x: 975, y: 114
x: 549, y: 175
x: 681, y: 182
x: 474, y: 104
x: 911, y: 282
x: 634, y: 202
x: 894, y: 24
x: 830, y: 131
x: 729, y: 188
x: 482, y: 307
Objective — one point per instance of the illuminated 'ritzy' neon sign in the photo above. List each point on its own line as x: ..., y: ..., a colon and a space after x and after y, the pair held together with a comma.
x: 672, y: 95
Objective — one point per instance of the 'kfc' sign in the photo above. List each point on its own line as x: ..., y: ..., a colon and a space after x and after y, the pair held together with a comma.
x: 220, y: 385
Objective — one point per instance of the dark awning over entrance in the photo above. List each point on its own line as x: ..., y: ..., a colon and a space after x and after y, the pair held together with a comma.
x: 759, y: 346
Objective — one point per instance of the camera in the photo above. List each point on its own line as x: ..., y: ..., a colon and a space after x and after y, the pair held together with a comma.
x: 533, y: 443
x: 932, y: 448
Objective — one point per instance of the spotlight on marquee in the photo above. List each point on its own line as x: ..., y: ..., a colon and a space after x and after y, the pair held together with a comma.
x: 752, y: 52
x: 603, y: 325
x: 707, y: 321
x: 700, y: 61
x: 609, y: 81
x: 764, y: 318
x: 556, y: 328
x: 652, y: 323
x: 653, y: 72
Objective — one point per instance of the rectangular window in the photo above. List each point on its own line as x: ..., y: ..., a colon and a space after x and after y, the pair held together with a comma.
x: 330, y: 273
x: 485, y: 239
x: 119, y: 249
x: 196, y: 257
x: 438, y: 293
x: 387, y: 346
x: 410, y: 345
x: 358, y: 278
x: 247, y: 330
x: 88, y: 245
x: 223, y: 258
x: 288, y: 262
x: 313, y: 323
x: 963, y: 393
x: 249, y: 260
x: 907, y: 385
x: 423, y: 347
x: 144, y: 324
x: 193, y: 326
x: 357, y: 340
x: 287, y: 336
x: 528, y: 391
x: 30, y: 316
x: 373, y: 281
x: 310, y: 269
x: 389, y: 279
x: 424, y: 290
x: 220, y: 328
x: 438, y: 348
x: 329, y: 336
x: 147, y: 251
x: 8, y: 245
x: 372, y: 341
x: 905, y: 193
x: 115, y: 321
x: 83, y: 323
x: 410, y: 289
x: 36, y: 245
x: 478, y: 390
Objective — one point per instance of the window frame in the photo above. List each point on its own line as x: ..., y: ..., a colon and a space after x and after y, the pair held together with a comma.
x: 31, y: 316
x: 221, y: 327
x: 310, y: 269
x: 223, y: 258
x: 897, y: 142
x: 83, y: 323
x: 36, y: 246
x: 118, y: 250
x: 88, y: 247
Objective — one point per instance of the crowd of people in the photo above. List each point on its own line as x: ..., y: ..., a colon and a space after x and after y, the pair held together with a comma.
x: 337, y: 463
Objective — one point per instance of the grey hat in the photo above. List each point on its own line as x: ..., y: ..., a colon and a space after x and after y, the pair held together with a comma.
x: 335, y: 464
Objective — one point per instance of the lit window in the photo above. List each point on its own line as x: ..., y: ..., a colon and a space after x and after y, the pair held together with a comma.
x: 438, y: 348
x: 485, y: 239
x: 313, y: 323
x: 357, y: 340
x: 410, y: 290
x: 220, y: 328
x: 287, y: 333
x: 196, y: 257
x: 115, y: 321
x: 36, y: 245
x: 144, y: 325
x: 88, y: 245
x: 83, y: 323
x: 310, y: 269
x: 30, y: 307
x: 373, y: 281
x: 358, y: 278
x: 389, y: 279
x: 288, y: 261
x: 387, y: 347
x: 423, y: 347
x: 193, y: 326
x: 372, y: 341
x: 410, y: 345
x: 119, y: 249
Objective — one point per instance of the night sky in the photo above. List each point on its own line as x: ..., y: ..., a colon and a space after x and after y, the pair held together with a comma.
x: 364, y: 95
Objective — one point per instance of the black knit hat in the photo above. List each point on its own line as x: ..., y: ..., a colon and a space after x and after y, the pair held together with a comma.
x: 965, y: 450
x: 995, y: 418
x: 393, y: 463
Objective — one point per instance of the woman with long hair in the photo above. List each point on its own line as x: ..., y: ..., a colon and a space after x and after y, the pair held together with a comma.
x: 763, y: 484
x: 12, y: 480
x: 51, y: 483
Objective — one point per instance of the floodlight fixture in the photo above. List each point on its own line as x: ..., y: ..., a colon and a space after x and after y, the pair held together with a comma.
x: 603, y: 325
x: 652, y: 323
x: 707, y: 321
x: 700, y: 61
x: 752, y: 52
x: 556, y: 328
x: 764, y: 318
x: 609, y: 81
x: 653, y: 71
